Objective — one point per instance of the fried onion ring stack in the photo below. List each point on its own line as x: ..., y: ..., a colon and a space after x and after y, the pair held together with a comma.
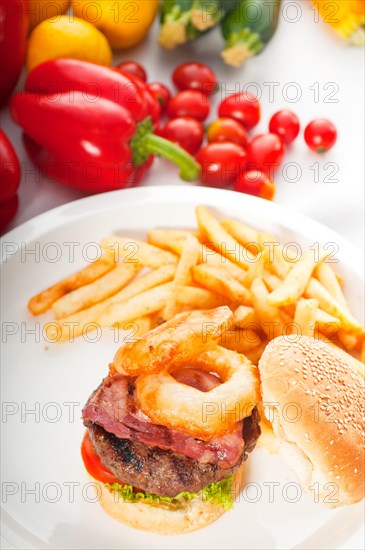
x: 190, y: 340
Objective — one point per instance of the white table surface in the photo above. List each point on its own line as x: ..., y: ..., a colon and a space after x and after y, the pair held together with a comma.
x: 305, y: 57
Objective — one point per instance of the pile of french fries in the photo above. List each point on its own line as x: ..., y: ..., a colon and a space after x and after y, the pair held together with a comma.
x: 221, y: 263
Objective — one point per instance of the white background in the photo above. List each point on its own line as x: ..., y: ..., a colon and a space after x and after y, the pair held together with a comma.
x: 303, y: 52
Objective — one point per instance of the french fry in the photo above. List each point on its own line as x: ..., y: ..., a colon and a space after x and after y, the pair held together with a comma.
x: 326, y: 323
x: 256, y: 269
x: 43, y: 301
x: 95, y: 292
x: 271, y: 281
x: 240, y: 340
x: 352, y: 342
x: 137, y: 252
x: 213, y: 258
x: 276, y: 261
x: 268, y: 315
x: 294, y: 284
x: 188, y: 259
x: 244, y: 316
x: 198, y: 298
x: 143, y: 304
x: 327, y: 277
x: 221, y: 282
x: 220, y: 240
x: 79, y: 320
x: 305, y: 316
x: 244, y: 234
x: 328, y: 303
x: 168, y: 239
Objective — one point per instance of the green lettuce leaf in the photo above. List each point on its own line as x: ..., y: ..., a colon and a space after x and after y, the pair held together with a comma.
x: 219, y: 493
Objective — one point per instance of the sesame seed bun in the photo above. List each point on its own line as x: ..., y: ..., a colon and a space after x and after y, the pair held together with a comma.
x: 161, y: 519
x: 315, y: 397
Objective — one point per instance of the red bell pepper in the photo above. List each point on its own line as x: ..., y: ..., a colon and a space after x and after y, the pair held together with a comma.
x: 9, y: 181
x: 8, y: 212
x: 93, y: 81
x: 13, y: 36
x: 9, y: 169
x: 90, y: 142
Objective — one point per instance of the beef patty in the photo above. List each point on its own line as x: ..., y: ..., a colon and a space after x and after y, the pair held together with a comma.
x: 162, y: 472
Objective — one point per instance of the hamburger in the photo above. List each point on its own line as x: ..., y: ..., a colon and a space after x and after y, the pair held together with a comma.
x: 148, y: 474
x: 323, y: 436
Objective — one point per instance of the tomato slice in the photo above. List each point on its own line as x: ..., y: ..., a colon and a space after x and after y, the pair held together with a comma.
x: 94, y: 465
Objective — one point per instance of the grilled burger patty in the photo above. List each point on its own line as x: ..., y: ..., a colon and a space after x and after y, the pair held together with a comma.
x: 163, y: 472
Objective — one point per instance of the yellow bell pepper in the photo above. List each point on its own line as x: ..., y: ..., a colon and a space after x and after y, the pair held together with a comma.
x: 347, y: 17
x: 124, y: 23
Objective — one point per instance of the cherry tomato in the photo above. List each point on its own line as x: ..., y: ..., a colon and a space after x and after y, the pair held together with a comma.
x: 320, y: 135
x: 227, y: 129
x: 255, y: 182
x: 221, y: 163
x: 93, y: 463
x: 266, y: 153
x: 186, y: 131
x: 195, y: 76
x: 8, y: 210
x: 285, y: 124
x: 161, y: 93
x: 134, y: 68
x: 243, y: 107
x: 189, y: 103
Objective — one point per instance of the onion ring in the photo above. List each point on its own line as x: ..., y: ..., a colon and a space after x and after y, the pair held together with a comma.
x: 203, y: 415
x: 173, y: 343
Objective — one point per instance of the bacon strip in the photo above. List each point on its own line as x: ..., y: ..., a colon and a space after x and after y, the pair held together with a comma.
x: 113, y: 407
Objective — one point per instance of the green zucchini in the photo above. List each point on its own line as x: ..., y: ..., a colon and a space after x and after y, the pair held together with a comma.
x: 174, y: 19
x: 183, y: 20
x: 248, y: 29
x: 208, y: 13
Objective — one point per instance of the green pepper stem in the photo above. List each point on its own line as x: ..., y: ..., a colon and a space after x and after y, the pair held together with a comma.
x: 189, y: 168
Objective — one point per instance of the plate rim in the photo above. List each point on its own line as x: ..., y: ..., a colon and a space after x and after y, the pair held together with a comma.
x: 53, y: 218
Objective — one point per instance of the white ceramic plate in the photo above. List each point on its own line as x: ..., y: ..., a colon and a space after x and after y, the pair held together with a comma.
x: 46, y: 498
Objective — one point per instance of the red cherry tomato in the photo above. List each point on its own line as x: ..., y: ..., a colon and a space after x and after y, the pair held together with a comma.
x: 134, y: 68
x: 285, y: 124
x: 320, y: 135
x: 161, y: 93
x: 189, y: 103
x: 186, y: 131
x: 227, y: 129
x: 255, y: 182
x: 266, y: 153
x: 94, y: 465
x: 195, y: 76
x: 8, y: 211
x: 243, y: 107
x: 221, y: 163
